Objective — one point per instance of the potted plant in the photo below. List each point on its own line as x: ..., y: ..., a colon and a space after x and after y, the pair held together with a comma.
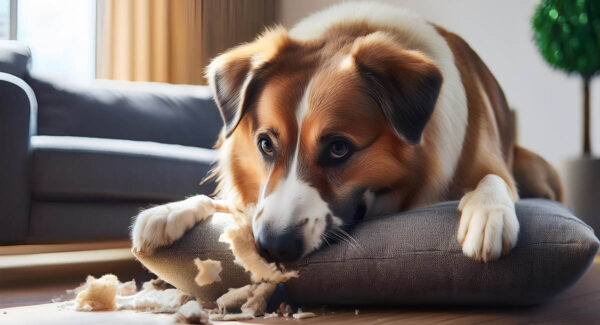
x: 567, y: 33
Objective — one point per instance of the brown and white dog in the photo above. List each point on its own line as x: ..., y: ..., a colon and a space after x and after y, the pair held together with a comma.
x: 362, y: 109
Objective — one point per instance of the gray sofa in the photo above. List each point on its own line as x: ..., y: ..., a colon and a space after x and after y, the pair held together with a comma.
x: 78, y: 161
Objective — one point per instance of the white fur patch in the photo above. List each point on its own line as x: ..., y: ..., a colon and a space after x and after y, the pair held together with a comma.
x: 488, y: 223
x: 451, y: 110
x: 294, y: 202
x: 347, y: 63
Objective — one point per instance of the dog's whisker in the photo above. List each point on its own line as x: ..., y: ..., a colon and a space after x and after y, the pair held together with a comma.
x: 337, y: 237
x: 349, y: 236
x: 351, y: 240
x: 340, y: 237
x: 324, y: 238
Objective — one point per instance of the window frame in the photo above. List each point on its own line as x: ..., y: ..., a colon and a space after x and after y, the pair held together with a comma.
x: 12, y: 18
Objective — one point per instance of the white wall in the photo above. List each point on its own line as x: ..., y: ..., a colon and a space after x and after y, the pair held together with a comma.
x: 548, y: 102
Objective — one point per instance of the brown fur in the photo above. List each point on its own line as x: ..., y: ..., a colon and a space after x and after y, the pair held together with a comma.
x: 490, y: 137
x: 535, y: 177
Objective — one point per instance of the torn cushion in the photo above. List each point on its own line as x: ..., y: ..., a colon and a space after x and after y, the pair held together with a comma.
x: 406, y: 258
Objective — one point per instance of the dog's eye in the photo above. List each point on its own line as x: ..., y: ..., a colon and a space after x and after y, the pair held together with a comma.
x: 265, y: 145
x: 336, y: 152
x: 338, y: 149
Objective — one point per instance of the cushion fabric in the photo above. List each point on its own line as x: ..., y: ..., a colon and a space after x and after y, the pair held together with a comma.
x: 408, y: 258
x: 143, y: 111
x: 80, y: 169
x: 15, y: 58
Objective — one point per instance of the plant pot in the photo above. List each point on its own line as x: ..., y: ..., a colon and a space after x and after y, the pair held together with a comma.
x: 582, y: 185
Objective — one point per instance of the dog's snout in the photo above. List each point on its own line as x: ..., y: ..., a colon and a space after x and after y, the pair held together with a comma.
x: 282, y: 247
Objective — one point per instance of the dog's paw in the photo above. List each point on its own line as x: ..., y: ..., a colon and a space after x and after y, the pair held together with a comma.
x: 163, y: 224
x: 488, y: 224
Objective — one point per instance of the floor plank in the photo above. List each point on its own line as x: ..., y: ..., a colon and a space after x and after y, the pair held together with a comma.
x: 578, y: 305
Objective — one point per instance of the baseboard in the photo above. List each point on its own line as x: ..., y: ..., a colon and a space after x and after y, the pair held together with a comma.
x: 43, y: 268
x: 63, y: 247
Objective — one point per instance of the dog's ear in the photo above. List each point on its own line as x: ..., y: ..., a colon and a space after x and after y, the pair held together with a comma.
x: 404, y: 83
x: 238, y: 75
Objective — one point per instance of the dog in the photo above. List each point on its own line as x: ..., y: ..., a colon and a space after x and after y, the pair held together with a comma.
x: 360, y: 110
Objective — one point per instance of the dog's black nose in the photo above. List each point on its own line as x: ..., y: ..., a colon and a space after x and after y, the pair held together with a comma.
x: 282, y: 247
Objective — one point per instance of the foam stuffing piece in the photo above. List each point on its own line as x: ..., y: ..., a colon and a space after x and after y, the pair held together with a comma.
x: 152, y: 299
x: 208, y: 271
x: 108, y: 293
x: 192, y: 313
x: 97, y: 294
x: 127, y: 288
x: 264, y: 276
x: 235, y: 297
x: 239, y: 236
x: 303, y: 315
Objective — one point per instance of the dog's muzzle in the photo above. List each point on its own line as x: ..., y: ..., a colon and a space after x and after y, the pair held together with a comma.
x: 286, y: 246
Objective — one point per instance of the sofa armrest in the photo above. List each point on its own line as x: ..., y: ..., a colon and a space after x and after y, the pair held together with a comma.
x: 18, y: 109
x: 140, y: 111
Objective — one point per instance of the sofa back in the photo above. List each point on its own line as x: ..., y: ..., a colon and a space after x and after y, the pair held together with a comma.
x: 15, y: 58
x: 142, y: 111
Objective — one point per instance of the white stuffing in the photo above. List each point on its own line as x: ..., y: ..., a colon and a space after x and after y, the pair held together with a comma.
x: 208, y: 271
x: 192, y: 313
x: 302, y: 315
x: 97, y: 294
x: 107, y: 293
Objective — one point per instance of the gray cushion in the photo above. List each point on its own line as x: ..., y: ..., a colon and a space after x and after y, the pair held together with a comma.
x: 410, y: 258
x: 80, y: 169
x: 142, y: 111
x: 15, y: 58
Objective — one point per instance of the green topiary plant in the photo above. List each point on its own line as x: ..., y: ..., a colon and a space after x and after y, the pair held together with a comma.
x: 567, y: 33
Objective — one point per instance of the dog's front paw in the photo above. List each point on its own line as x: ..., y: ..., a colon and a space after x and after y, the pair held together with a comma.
x: 488, y: 224
x: 163, y: 224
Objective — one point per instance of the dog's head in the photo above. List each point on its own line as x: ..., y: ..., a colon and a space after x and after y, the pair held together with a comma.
x: 315, y: 129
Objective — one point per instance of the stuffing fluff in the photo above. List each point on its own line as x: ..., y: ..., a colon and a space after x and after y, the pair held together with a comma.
x: 107, y: 293
x: 241, y: 239
x: 97, y: 294
x: 208, y: 271
x: 192, y: 313
x: 152, y: 299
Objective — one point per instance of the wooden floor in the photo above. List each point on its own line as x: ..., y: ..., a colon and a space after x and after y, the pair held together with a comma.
x: 578, y: 305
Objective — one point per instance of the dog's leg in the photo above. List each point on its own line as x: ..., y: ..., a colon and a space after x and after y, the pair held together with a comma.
x: 488, y: 224
x: 536, y: 177
x: 163, y: 224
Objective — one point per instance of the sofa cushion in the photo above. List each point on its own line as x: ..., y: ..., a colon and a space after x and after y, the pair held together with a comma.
x: 408, y: 258
x: 15, y: 58
x: 142, y: 111
x: 77, y: 168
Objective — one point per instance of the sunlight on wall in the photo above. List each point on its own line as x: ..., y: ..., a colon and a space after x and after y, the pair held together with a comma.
x: 61, y: 35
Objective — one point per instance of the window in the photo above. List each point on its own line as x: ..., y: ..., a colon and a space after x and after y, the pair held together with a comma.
x: 4, y: 19
x: 61, y: 35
